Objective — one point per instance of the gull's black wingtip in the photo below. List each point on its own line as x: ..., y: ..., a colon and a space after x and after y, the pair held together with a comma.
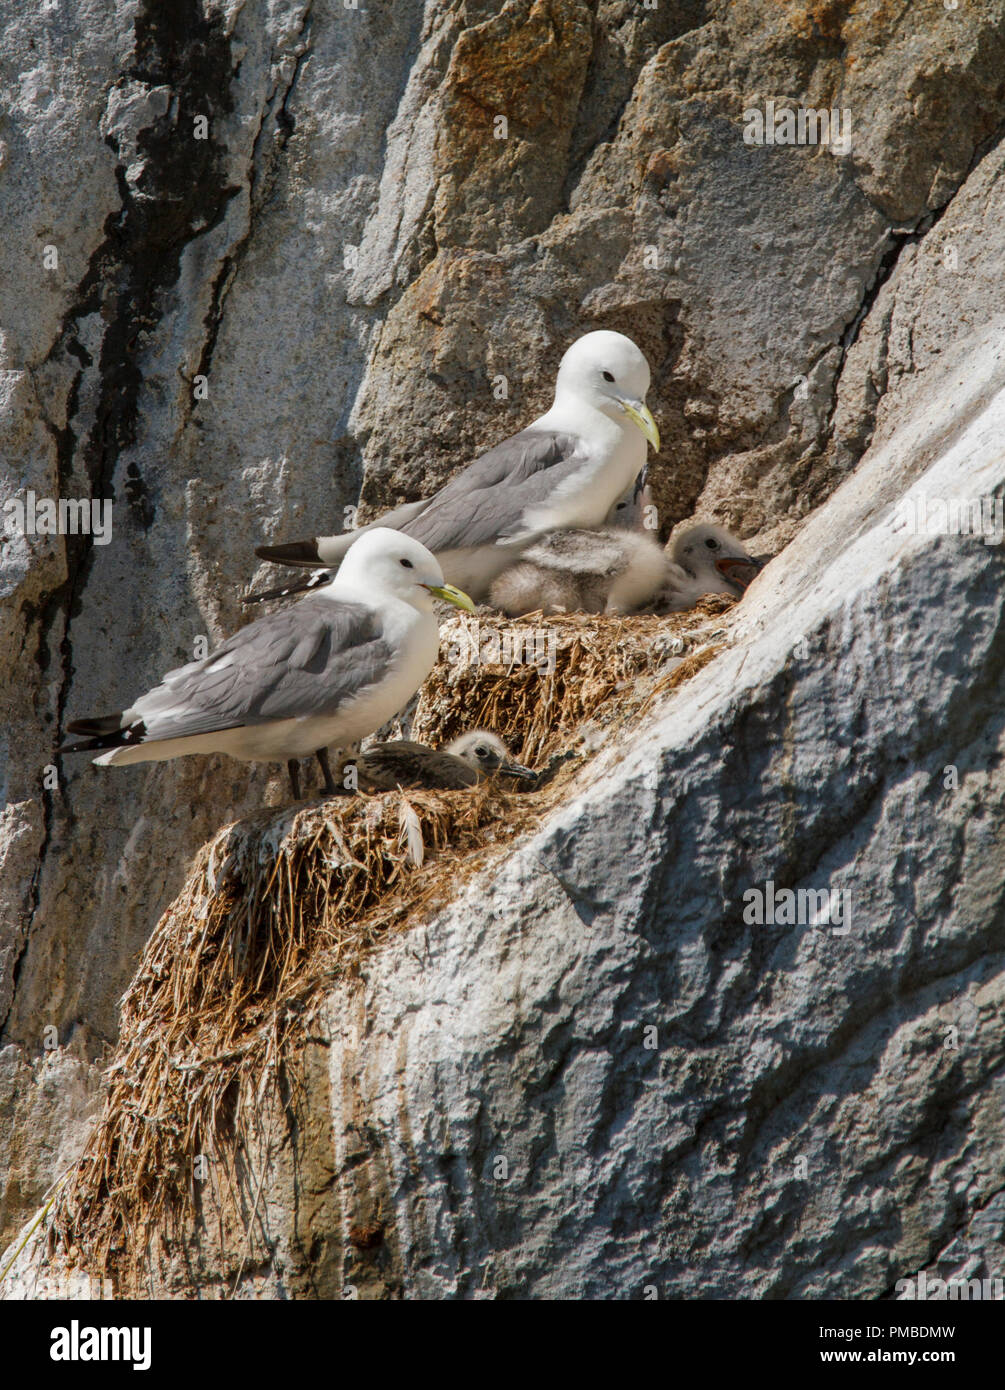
x: 96, y: 727
x: 292, y: 553
x: 106, y: 731
x: 301, y: 585
x: 80, y: 745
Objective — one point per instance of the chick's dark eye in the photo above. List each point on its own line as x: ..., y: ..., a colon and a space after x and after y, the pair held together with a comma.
x: 712, y: 545
x: 407, y: 563
x: 482, y: 751
x: 608, y: 376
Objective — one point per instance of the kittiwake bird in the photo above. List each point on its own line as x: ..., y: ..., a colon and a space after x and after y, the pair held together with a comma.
x: 328, y: 670
x: 704, y: 559
x: 474, y: 757
x: 566, y: 469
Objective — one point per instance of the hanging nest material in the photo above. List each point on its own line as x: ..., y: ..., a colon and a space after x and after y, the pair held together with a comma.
x: 280, y: 904
x: 276, y: 906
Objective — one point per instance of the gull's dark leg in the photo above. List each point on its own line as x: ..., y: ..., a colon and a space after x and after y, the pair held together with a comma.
x: 293, y: 768
x: 331, y: 787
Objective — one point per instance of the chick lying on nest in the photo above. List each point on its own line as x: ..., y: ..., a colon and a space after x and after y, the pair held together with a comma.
x: 619, y: 570
x: 474, y: 757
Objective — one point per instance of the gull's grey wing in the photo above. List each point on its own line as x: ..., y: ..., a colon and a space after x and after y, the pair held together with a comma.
x: 484, y: 503
x: 488, y: 501
x: 305, y: 660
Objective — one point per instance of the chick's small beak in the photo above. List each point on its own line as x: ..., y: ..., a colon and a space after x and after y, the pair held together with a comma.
x: 517, y: 770
x: 741, y: 571
x: 451, y: 595
x: 640, y: 414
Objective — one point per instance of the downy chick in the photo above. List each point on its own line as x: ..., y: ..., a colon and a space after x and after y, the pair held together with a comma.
x: 473, y: 757
x: 614, y: 569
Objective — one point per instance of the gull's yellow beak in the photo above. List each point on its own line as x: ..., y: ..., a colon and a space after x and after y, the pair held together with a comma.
x: 455, y: 596
x: 640, y: 414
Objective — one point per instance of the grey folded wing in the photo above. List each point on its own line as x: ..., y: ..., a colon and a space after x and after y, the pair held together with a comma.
x: 306, y: 660
x: 489, y: 500
x: 486, y: 502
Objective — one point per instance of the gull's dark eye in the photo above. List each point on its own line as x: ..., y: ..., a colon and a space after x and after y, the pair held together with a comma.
x: 407, y: 563
x: 608, y: 376
x: 712, y: 543
x: 482, y: 751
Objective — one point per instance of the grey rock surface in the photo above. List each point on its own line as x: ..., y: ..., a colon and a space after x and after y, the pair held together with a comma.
x: 351, y: 260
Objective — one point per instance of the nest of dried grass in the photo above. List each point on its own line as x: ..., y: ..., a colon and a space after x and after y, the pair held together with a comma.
x: 538, y: 681
x: 280, y: 904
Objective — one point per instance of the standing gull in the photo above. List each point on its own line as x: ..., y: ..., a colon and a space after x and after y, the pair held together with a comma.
x: 474, y: 757
x: 327, y: 670
x: 566, y: 469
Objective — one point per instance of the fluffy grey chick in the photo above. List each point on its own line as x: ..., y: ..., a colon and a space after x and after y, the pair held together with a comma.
x: 704, y: 559
x: 611, y: 570
x: 472, y: 758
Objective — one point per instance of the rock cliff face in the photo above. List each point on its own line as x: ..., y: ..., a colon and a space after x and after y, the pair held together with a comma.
x: 266, y: 259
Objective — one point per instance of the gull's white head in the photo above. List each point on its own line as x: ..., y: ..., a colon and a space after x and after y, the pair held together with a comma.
x: 708, y: 552
x: 388, y: 564
x: 609, y: 372
x: 487, y: 754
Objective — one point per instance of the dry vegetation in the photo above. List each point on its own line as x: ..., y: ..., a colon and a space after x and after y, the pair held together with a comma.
x: 283, y: 902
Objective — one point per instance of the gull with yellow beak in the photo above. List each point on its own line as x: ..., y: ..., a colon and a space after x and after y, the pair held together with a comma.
x: 566, y: 469
x: 326, y: 671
